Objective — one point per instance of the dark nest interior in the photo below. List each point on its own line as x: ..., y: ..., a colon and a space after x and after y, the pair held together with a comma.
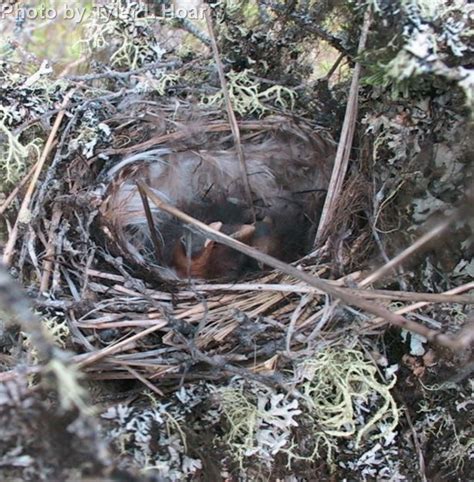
x: 195, y: 167
x: 221, y: 263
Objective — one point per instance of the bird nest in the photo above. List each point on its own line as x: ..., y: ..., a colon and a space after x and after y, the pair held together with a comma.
x: 131, y: 322
x: 296, y: 325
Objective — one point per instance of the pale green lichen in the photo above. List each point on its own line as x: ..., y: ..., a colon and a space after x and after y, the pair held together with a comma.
x: 341, y: 385
x: 14, y: 156
x: 121, y: 29
x: 57, y: 332
x: 158, y: 82
x: 70, y: 392
x: 260, y: 422
x: 436, y: 34
x: 459, y: 451
x: 246, y: 95
x: 241, y: 414
x: 65, y: 377
x: 344, y: 399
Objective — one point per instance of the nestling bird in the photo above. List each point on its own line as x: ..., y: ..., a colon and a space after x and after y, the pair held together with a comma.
x: 288, y: 168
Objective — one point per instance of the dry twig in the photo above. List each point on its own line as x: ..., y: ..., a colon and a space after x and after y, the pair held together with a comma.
x: 412, y: 249
x: 25, y: 205
x: 345, y: 141
x: 230, y: 112
x: 49, y: 255
x: 340, y: 293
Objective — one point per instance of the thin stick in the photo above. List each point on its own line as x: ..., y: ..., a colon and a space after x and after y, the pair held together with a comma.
x: 111, y: 349
x: 406, y: 253
x: 369, y: 294
x: 230, y: 112
x: 422, y: 304
x: 343, y: 294
x: 410, y: 296
x: 48, y: 257
x: 416, y: 442
x: 298, y: 288
x: 6, y: 204
x: 151, y: 224
x: 345, y: 141
x: 294, y: 318
x: 333, y: 68
x: 111, y: 74
x: 72, y: 65
x: 24, y: 210
x: 145, y: 381
x: 191, y: 27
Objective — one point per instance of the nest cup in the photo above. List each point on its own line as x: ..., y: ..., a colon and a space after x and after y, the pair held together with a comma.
x: 193, y: 165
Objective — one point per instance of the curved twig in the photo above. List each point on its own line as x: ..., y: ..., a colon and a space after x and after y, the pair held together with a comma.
x: 345, y: 295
